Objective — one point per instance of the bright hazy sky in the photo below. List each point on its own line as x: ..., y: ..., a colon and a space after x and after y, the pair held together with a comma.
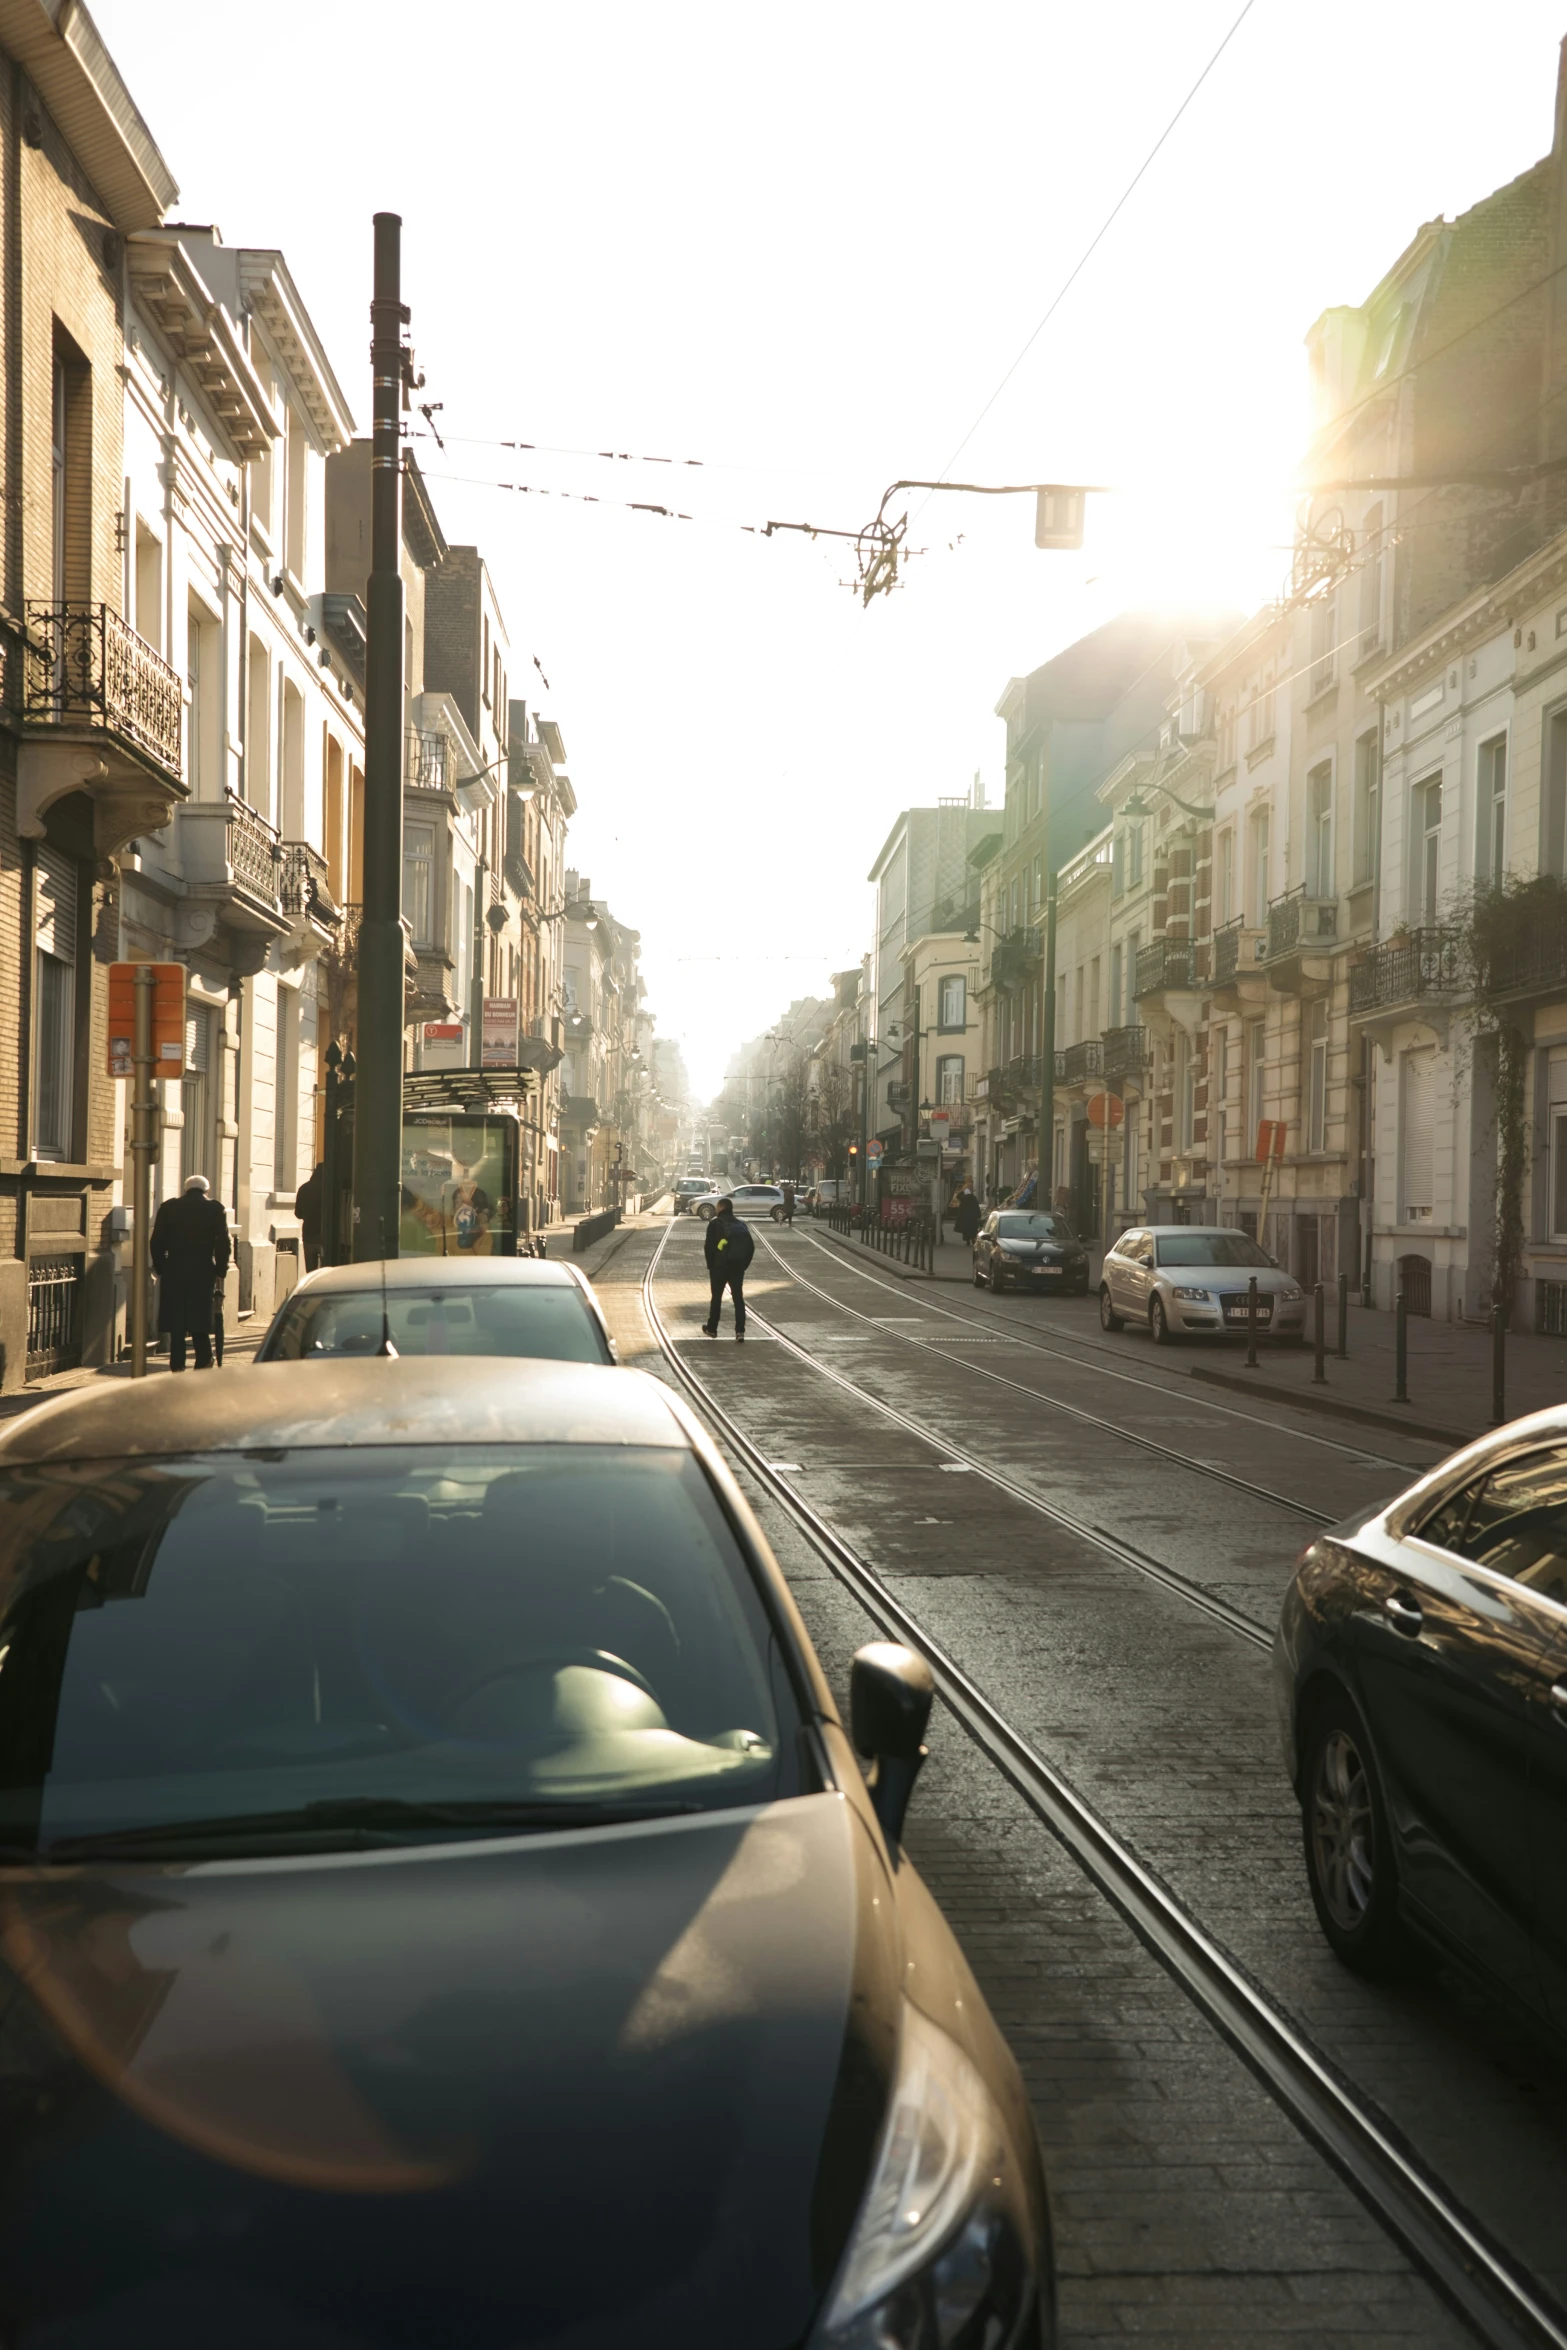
x: 804, y: 245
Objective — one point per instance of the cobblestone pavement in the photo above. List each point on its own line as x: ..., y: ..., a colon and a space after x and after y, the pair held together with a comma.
x: 1187, y: 2205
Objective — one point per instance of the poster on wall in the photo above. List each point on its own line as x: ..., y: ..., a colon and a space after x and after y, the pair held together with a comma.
x: 499, y: 1041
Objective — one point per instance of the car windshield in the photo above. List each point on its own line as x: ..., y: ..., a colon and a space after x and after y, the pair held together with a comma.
x: 531, y: 1319
x: 1211, y: 1248
x: 317, y: 1643
x: 1032, y: 1224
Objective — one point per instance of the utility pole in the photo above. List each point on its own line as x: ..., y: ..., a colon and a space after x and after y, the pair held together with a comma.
x: 1044, y: 1188
x: 378, y: 1089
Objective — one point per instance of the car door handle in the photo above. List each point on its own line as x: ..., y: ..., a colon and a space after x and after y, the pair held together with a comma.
x: 1405, y: 1613
x: 1559, y: 1702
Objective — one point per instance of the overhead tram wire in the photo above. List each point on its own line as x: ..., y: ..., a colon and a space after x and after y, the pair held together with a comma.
x: 1095, y: 242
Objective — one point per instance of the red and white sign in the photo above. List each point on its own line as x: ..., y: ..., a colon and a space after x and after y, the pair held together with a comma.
x: 1270, y: 1139
x: 443, y: 1032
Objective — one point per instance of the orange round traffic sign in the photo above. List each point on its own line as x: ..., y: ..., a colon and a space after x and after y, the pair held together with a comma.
x: 1105, y: 1109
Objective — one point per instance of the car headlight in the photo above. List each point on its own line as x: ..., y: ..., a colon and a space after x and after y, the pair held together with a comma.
x: 1196, y: 1297
x: 941, y: 2256
x: 1292, y: 1289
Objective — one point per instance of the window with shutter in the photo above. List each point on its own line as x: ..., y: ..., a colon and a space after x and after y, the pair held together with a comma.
x: 1417, y: 1136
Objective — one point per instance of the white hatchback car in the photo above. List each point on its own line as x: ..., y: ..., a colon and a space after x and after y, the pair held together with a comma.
x: 1180, y: 1280
x: 751, y: 1200
x: 441, y: 1305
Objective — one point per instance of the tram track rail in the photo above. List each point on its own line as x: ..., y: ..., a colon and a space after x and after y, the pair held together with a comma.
x: 1123, y: 1435
x: 974, y: 1318
x: 1503, y: 2306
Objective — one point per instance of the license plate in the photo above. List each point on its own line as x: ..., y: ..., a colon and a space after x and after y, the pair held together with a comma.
x: 1239, y: 1313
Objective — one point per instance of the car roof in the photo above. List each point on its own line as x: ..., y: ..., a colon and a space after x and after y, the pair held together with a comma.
x: 414, y: 1399
x: 447, y: 1272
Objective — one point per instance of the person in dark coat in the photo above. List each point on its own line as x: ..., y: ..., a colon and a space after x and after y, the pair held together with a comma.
x: 309, y: 1204
x: 190, y: 1255
x: 788, y: 1202
x: 729, y: 1248
x: 968, y: 1215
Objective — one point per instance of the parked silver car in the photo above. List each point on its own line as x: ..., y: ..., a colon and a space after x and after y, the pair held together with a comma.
x: 751, y: 1200
x: 1183, y: 1279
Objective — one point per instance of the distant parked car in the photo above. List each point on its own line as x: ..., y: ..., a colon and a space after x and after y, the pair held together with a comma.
x: 823, y: 1196
x: 1180, y: 1280
x: 441, y: 1306
x: 1420, y: 1671
x: 690, y: 1189
x: 752, y: 1200
x: 1029, y: 1248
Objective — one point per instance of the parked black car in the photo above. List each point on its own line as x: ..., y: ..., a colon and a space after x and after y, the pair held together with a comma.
x: 1421, y: 1675
x: 1029, y: 1248
x: 440, y: 1904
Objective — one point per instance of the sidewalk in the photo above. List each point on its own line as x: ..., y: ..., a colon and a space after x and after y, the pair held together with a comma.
x: 1449, y: 1379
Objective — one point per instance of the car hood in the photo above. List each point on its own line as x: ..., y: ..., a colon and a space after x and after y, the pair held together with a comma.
x: 579, y: 2091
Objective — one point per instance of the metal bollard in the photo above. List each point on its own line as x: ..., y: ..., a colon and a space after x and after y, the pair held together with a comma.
x: 1319, y: 1373
x: 1343, y: 1318
x: 1401, y: 1348
x: 1251, y: 1323
x: 1498, y: 1363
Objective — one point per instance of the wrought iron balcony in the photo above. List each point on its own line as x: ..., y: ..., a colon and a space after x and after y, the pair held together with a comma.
x: 303, y: 885
x: 1534, y: 955
x: 1227, y: 949
x: 1166, y: 962
x: 1296, y: 920
x: 230, y: 853
x: 427, y: 760
x: 86, y: 667
x: 1403, y: 970
x: 1125, y: 1051
x: 1014, y: 957
x: 1079, y: 1062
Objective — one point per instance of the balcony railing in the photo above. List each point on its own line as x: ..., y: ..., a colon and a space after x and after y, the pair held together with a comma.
x: 1296, y: 920
x: 1404, y: 969
x: 1166, y: 962
x: 254, y: 851
x: 303, y: 884
x: 1227, y: 949
x: 1125, y: 1051
x: 1014, y: 957
x: 1079, y: 1062
x: 426, y: 760
x: 87, y: 667
x: 1534, y: 956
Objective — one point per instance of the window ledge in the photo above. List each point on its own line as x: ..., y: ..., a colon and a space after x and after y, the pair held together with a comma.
x: 1322, y: 697
x: 1262, y: 750
x: 1369, y: 658
x: 68, y: 1170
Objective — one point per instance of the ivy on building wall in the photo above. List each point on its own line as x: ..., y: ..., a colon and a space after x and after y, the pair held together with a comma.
x: 1513, y: 938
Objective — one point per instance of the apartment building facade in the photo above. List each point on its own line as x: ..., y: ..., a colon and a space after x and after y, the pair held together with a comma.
x: 232, y: 412
x: 92, y: 735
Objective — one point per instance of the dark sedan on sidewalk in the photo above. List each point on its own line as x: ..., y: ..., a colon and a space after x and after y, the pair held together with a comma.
x: 1421, y: 1675
x: 439, y: 1901
x: 1029, y: 1248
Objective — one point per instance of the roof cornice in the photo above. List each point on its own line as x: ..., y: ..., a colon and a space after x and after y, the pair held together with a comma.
x: 270, y: 291
x: 61, y: 49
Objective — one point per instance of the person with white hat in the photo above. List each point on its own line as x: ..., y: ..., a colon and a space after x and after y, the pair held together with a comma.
x: 190, y: 1255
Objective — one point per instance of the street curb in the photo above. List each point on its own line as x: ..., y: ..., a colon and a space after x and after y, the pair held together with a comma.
x: 858, y: 1250
x: 1331, y: 1405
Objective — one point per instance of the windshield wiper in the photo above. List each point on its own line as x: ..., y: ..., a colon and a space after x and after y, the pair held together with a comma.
x: 351, y: 1821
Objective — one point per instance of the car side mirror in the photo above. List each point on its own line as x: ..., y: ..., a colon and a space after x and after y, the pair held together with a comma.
x: 890, y: 1695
